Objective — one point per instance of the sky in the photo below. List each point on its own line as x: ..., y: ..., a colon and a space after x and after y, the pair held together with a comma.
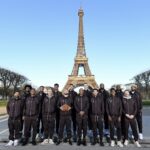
x: 38, y: 38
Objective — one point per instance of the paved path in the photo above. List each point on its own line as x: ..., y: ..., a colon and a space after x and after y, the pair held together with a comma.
x: 65, y: 146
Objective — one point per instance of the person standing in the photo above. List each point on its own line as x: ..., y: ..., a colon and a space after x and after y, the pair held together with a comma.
x: 14, y: 111
x: 24, y: 96
x: 114, y: 112
x: 57, y: 95
x: 138, y: 98
x: 31, y: 113
x: 49, y: 114
x: 73, y: 95
x: 97, y: 116
x: 41, y: 95
x: 105, y: 95
x: 65, y: 105
x: 88, y: 94
x: 81, y: 105
x: 130, y: 111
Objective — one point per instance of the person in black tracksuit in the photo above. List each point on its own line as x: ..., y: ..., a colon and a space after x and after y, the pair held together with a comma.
x: 119, y: 94
x: 138, y: 98
x: 49, y: 115
x: 41, y: 95
x: 105, y: 95
x: 24, y: 96
x: 31, y: 113
x: 88, y: 94
x: 57, y: 95
x: 65, y: 117
x: 130, y: 111
x: 97, y: 116
x: 114, y: 112
x: 15, y: 111
x: 73, y: 95
x: 81, y: 105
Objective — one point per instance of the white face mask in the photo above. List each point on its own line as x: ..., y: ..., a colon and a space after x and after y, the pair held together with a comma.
x: 127, y: 97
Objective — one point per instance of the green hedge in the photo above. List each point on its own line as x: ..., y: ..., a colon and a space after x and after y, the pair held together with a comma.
x: 146, y: 102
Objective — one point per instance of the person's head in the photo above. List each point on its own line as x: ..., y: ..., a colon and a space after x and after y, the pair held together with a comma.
x: 71, y: 87
x: 102, y: 86
x: 95, y: 92
x: 27, y: 88
x: 33, y: 92
x: 81, y: 91
x: 65, y: 93
x: 50, y: 92
x: 113, y: 91
x: 133, y: 87
x: 118, y: 87
x: 41, y: 89
x: 16, y: 94
x: 56, y: 87
x: 126, y: 93
x: 85, y: 87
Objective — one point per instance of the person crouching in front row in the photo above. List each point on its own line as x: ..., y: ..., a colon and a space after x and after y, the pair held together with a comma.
x: 130, y: 111
x: 31, y: 112
x: 14, y: 110
x: 49, y: 115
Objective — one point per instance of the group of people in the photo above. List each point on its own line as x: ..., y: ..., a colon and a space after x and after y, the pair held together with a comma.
x: 70, y: 115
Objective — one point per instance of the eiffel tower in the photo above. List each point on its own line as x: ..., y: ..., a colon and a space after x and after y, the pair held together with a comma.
x: 81, y: 61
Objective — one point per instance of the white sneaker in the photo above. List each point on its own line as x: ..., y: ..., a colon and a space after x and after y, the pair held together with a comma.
x: 10, y: 143
x: 112, y: 144
x: 16, y: 142
x: 45, y: 142
x: 137, y: 144
x: 51, y: 141
x: 126, y: 142
x: 119, y: 144
x: 140, y: 136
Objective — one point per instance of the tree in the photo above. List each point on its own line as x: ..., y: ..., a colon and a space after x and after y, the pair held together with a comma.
x: 143, y: 81
x: 10, y: 81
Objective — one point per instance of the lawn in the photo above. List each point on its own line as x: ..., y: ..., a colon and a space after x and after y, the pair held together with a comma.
x: 3, y: 103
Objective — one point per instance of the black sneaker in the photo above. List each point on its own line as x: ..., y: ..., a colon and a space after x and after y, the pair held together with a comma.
x: 58, y: 142
x: 94, y: 142
x: 84, y: 142
x: 34, y: 142
x: 70, y: 142
x: 79, y: 142
x: 101, y: 143
x: 25, y: 142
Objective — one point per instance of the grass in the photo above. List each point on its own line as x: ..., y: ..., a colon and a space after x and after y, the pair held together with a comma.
x: 3, y: 103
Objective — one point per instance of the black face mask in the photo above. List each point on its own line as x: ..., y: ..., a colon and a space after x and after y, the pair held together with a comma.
x: 17, y: 97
